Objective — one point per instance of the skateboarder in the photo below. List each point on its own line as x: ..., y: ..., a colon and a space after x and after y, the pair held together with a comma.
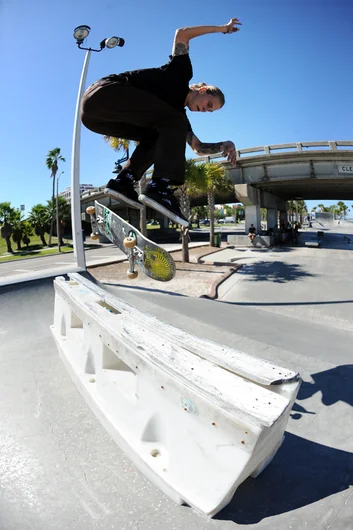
x: 149, y: 106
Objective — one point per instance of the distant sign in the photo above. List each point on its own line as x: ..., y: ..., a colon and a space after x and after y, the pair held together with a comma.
x: 22, y: 207
x: 348, y: 168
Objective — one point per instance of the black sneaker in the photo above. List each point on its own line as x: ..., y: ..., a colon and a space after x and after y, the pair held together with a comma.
x: 160, y: 196
x: 122, y: 189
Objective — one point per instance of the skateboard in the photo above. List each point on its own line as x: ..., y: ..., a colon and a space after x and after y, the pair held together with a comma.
x: 123, y: 200
x: 153, y: 260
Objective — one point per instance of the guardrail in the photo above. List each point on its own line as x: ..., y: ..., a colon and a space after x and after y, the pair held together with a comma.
x: 196, y: 417
x: 296, y: 146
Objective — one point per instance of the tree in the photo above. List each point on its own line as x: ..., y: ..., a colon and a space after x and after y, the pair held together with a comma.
x: 342, y: 208
x: 213, y: 179
x: 39, y: 219
x: 229, y: 211
x: 6, y: 216
x: 118, y: 144
x: 323, y: 208
x: 53, y: 157
x: 217, y: 215
x: 64, y: 211
x: 27, y: 231
x: 198, y: 213
x: 295, y: 207
x: 17, y: 228
x: 190, y: 186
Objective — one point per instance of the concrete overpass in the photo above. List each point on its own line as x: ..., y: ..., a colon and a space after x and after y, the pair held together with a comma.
x: 268, y: 176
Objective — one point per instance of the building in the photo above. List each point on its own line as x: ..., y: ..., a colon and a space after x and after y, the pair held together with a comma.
x: 83, y: 188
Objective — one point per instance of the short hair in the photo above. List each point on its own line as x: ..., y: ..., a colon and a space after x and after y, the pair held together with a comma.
x: 212, y: 90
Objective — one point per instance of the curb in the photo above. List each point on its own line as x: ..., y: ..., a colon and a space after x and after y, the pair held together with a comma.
x: 213, y: 293
x: 222, y: 263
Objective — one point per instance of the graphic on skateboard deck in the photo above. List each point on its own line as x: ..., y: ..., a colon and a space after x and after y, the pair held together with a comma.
x: 153, y: 260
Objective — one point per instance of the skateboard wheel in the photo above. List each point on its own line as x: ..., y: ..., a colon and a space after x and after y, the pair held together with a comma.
x: 129, y: 242
x: 132, y: 275
x: 90, y: 210
x: 94, y: 236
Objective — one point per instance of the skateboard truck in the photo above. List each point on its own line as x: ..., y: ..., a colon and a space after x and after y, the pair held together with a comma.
x: 129, y: 243
x: 91, y: 211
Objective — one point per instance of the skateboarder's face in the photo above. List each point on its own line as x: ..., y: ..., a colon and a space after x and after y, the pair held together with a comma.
x: 203, y: 102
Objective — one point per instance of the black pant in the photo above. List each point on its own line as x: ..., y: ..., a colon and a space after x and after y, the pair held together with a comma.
x: 120, y: 110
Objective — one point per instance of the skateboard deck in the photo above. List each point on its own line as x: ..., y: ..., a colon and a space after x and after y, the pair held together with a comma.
x: 153, y: 260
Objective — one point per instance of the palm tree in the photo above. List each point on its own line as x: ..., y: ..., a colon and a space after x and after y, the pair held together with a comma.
x: 118, y: 144
x: 64, y: 210
x: 53, y: 157
x: 17, y: 228
x: 342, y: 208
x: 27, y: 231
x: 214, y: 180
x: 39, y: 219
x: 6, y: 216
x: 191, y: 184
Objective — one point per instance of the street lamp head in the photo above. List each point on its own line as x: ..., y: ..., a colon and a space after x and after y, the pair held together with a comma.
x: 81, y: 33
x: 114, y: 41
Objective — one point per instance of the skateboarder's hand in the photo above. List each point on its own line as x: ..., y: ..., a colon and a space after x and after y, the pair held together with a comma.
x: 230, y: 152
x: 231, y: 27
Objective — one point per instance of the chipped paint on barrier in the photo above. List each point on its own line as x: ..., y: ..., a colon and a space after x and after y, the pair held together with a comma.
x: 189, y: 405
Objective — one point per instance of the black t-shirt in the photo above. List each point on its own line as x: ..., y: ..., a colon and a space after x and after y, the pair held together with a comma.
x: 170, y: 82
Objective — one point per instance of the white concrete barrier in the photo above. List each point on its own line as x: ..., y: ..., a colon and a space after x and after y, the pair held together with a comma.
x: 197, y: 418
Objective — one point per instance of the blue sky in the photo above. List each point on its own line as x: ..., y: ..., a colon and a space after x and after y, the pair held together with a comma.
x: 286, y: 75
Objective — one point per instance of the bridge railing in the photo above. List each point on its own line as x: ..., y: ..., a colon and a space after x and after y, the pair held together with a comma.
x: 296, y: 147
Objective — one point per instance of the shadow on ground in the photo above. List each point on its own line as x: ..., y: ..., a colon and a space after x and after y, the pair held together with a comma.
x: 335, y: 385
x: 277, y: 271
x: 302, y: 472
x: 139, y: 288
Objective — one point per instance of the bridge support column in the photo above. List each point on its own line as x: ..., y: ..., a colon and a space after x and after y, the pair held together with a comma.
x: 253, y: 216
x: 271, y: 218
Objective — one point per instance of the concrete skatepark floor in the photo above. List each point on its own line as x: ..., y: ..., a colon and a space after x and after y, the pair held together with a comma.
x: 59, y: 470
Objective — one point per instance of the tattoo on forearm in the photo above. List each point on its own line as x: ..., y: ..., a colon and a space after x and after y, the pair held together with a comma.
x: 181, y: 49
x: 189, y: 137
x: 210, y: 149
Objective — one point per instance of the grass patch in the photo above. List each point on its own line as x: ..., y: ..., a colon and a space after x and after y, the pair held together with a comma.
x: 23, y: 254
x: 34, y: 250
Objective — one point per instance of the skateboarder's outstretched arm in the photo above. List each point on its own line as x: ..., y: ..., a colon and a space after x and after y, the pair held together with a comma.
x: 181, y: 47
x: 227, y: 148
x: 184, y: 35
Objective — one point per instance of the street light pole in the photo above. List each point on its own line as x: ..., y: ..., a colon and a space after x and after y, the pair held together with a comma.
x: 57, y: 211
x: 75, y: 173
x: 80, y: 34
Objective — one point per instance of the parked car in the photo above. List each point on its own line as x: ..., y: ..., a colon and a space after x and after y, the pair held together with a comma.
x: 205, y: 222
